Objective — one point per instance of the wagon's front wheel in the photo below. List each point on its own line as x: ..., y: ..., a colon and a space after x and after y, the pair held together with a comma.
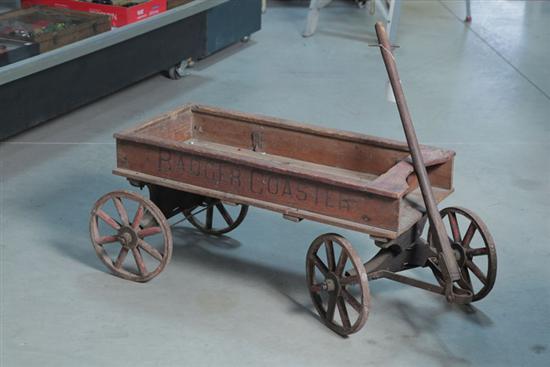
x: 125, y: 225
x: 474, y: 250
x: 338, y: 283
x: 215, y: 217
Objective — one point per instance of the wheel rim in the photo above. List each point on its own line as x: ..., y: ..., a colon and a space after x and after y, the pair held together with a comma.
x: 145, y: 235
x: 474, y: 249
x: 338, y: 284
x: 215, y: 217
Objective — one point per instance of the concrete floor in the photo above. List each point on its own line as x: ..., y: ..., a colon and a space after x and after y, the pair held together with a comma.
x: 481, y: 90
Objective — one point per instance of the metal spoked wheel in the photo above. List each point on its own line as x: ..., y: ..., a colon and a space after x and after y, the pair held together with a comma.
x: 124, y: 222
x: 474, y: 250
x: 336, y: 279
x: 216, y: 218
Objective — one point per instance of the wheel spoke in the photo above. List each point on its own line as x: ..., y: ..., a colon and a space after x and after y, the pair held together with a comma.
x: 149, y: 231
x: 209, y: 217
x: 316, y: 287
x: 106, y: 239
x: 351, y: 300
x: 319, y: 301
x: 478, y: 251
x: 225, y: 214
x: 320, y: 265
x: 330, y: 255
x: 349, y: 280
x: 469, y: 235
x: 120, y: 209
x: 138, y: 216
x: 121, y: 256
x: 465, y: 281
x: 331, y: 306
x: 454, y: 226
x: 97, y: 238
x: 435, y: 269
x: 477, y: 271
x: 139, y: 261
x: 343, y: 313
x: 107, y: 219
x: 341, y: 263
x: 150, y: 250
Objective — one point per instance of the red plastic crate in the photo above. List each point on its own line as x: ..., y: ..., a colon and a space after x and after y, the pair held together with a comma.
x: 120, y: 15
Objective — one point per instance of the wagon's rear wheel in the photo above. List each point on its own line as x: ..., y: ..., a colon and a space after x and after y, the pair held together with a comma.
x: 125, y: 225
x: 337, y: 283
x: 474, y: 250
x: 215, y: 217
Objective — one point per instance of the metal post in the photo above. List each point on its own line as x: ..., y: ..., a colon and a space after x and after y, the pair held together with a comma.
x: 393, y: 19
x: 315, y: 7
x: 468, y: 12
x: 446, y: 255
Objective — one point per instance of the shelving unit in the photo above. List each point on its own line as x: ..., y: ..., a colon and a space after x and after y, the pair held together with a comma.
x: 45, y: 86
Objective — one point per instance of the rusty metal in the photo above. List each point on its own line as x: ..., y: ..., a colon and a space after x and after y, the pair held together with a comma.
x: 128, y: 234
x: 198, y: 158
x: 172, y: 202
x: 408, y: 281
x: 330, y: 289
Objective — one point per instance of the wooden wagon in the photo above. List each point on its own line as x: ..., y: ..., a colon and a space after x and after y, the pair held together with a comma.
x: 210, y: 164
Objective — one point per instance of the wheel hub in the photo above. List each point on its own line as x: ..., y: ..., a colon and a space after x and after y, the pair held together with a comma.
x: 128, y: 237
x: 332, y: 283
x: 460, y: 253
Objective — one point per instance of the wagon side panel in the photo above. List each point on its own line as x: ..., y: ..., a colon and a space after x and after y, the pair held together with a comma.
x: 258, y: 184
x: 321, y: 148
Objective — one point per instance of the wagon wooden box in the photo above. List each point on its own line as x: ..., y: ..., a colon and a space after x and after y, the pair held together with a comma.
x: 346, y: 179
x: 52, y: 27
x: 208, y: 165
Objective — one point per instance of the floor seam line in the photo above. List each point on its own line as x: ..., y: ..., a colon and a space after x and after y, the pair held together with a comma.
x: 516, y: 69
x: 53, y: 143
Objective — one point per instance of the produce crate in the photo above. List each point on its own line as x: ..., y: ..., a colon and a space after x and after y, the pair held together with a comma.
x: 14, y: 50
x: 51, y: 27
x: 122, y: 13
